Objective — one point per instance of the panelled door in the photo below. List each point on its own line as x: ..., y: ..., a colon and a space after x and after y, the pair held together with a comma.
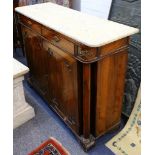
x: 36, y: 59
x: 63, y: 91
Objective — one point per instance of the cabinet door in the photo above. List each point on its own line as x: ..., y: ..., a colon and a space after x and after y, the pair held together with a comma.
x: 62, y: 71
x: 36, y: 59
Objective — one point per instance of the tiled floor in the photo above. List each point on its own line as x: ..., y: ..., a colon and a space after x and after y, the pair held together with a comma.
x: 46, y: 124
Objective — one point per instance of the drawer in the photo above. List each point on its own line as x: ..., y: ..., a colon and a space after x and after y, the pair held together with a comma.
x: 58, y: 40
x: 30, y: 23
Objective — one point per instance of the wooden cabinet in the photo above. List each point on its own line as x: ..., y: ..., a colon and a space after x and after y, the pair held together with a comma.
x: 84, y: 90
x: 83, y: 84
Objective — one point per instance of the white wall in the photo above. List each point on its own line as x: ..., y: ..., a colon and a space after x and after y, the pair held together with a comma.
x: 99, y: 8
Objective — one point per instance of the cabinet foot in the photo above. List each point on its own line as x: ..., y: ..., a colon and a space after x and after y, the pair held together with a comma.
x: 87, y: 143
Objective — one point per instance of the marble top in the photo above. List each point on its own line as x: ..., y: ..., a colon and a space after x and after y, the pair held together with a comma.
x: 19, y: 69
x: 89, y: 30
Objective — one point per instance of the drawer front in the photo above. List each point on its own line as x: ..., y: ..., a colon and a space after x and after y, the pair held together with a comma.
x: 58, y: 40
x: 30, y: 23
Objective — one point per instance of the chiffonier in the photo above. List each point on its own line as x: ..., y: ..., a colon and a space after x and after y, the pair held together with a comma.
x: 77, y: 64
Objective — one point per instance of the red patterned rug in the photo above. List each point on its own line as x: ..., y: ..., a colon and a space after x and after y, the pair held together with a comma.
x: 50, y: 147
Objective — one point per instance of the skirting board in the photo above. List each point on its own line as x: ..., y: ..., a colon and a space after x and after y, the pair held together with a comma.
x: 23, y: 116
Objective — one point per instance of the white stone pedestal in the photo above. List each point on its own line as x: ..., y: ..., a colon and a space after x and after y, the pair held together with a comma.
x: 22, y: 111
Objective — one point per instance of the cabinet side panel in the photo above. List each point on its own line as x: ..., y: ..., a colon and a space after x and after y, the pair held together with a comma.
x: 110, y: 87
